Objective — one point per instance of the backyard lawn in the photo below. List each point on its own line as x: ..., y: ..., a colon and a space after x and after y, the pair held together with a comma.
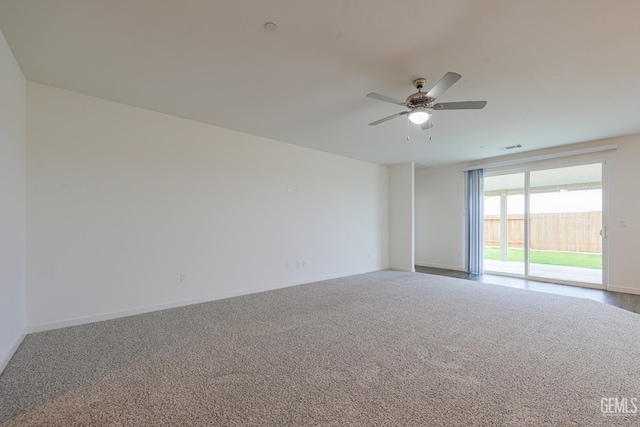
x: 568, y: 259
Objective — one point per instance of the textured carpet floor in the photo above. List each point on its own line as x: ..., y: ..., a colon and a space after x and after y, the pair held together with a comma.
x: 384, y: 348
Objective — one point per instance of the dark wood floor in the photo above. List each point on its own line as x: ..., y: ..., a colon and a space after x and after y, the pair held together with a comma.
x: 617, y: 299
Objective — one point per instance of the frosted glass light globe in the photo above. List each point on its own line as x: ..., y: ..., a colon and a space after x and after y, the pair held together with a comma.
x: 419, y: 117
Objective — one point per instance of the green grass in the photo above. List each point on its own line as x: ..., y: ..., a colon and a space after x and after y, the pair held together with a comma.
x: 568, y: 259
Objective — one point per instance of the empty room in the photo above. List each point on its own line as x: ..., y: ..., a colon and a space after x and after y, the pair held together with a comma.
x: 342, y: 212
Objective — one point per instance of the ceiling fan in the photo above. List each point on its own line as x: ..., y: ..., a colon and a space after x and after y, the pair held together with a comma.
x: 421, y: 103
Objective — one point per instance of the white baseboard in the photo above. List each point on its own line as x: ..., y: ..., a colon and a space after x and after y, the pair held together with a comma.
x: 443, y: 266
x: 624, y: 290
x: 174, y: 304
x: 12, y: 350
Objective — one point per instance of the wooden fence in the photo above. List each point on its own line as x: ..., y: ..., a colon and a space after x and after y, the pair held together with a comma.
x: 570, y: 232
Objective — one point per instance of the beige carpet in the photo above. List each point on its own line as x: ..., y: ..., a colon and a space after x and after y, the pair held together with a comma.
x: 384, y: 348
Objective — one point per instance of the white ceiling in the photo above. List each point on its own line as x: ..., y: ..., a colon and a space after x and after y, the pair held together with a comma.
x: 553, y: 72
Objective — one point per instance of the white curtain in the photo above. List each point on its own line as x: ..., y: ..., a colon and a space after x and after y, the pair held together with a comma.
x: 475, y: 219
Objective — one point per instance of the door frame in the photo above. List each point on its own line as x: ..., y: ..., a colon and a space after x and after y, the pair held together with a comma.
x: 554, y: 164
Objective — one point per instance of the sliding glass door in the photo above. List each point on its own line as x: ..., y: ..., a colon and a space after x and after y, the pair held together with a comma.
x: 546, y: 224
x: 565, y: 223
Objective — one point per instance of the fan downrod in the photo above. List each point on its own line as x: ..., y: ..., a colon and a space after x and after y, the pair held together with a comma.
x: 419, y: 83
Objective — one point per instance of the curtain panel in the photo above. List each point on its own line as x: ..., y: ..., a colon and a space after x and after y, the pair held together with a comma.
x: 475, y: 220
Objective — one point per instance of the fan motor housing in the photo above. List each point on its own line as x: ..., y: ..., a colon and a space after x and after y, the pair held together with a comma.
x: 419, y: 99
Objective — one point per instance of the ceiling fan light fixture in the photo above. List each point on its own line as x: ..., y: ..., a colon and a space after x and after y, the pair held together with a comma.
x: 419, y: 116
x: 421, y: 103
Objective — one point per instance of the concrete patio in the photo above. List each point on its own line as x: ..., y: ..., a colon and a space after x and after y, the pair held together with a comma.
x: 544, y: 271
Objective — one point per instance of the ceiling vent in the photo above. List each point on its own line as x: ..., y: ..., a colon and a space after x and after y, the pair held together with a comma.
x: 510, y: 147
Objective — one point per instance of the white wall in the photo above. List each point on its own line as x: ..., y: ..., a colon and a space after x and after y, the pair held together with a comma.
x: 121, y: 201
x: 440, y: 218
x: 624, y: 204
x: 401, y: 217
x: 12, y: 204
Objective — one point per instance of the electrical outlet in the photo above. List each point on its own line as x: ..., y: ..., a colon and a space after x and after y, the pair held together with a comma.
x: 624, y: 223
x: 183, y: 277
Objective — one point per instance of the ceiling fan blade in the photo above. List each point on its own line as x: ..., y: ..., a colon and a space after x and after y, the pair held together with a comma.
x: 385, y: 98
x: 426, y: 125
x: 468, y: 105
x: 443, y: 84
x: 393, y: 116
